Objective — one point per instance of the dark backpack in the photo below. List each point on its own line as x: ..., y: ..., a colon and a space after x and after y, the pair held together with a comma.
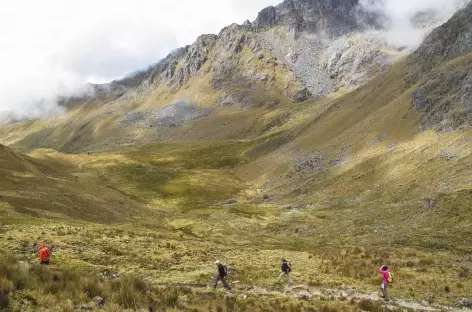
x: 222, y: 270
x: 286, y: 267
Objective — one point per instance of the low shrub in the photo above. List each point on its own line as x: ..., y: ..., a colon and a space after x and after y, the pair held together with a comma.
x: 371, y: 306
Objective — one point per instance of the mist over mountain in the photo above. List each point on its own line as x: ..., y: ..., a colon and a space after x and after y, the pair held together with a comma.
x: 401, y: 18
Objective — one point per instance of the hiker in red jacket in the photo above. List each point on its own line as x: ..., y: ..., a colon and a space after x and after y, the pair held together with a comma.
x: 385, y: 282
x: 44, y: 254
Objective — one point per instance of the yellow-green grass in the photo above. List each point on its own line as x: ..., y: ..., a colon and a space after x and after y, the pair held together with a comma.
x: 335, y: 242
x: 39, y: 288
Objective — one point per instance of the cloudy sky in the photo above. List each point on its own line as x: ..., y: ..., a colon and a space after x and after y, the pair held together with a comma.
x: 52, y: 45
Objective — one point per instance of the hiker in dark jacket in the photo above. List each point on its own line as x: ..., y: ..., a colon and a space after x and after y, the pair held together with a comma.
x: 222, y: 273
x: 285, y: 271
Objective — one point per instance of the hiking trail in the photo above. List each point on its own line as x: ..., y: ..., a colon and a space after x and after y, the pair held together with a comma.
x: 308, y: 292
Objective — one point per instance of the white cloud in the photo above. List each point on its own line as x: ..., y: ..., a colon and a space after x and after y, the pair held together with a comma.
x: 50, y: 46
x: 399, y: 13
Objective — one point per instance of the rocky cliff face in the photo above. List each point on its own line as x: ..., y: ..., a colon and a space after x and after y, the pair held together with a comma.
x: 328, y: 44
x: 335, y: 17
x: 451, y: 40
x: 443, y: 67
x: 235, y: 58
x: 299, y: 48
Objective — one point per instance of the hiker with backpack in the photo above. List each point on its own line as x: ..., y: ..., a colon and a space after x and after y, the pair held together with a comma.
x: 44, y: 254
x: 285, y: 271
x: 221, y: 277
x: 387, y: 280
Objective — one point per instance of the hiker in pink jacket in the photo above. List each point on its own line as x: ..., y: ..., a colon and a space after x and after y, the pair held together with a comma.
x: 384, y: 286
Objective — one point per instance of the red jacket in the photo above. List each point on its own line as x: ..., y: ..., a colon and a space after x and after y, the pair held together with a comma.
x: 44, y: 255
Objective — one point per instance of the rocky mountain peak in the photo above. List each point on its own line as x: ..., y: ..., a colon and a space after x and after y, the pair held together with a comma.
x: 331, y: 16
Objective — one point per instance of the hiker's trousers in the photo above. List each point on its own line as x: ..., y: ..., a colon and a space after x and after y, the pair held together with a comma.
x: 285, y: 275
x: 218, y: 279
x: 384, y: 288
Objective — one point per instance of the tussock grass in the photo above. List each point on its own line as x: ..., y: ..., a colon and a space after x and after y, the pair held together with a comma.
x: 371, y: 306
x: 38, y: 288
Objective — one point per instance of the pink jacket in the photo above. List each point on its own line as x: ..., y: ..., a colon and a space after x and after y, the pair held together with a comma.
x: 385, y: 275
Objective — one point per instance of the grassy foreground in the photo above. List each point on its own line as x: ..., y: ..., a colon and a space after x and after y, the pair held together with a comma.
x: 181, y: 225
x: 39, y: 288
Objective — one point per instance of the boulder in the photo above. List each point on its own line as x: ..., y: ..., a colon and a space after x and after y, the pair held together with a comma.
x: 231, y: 201
x: 466, y: 303
x: 99, y: 302
x: 299, y: 95
x: 305, y: 295
x: 429, y: 204
x: 177, y: 113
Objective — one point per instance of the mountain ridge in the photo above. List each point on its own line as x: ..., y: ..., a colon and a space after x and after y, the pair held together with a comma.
x: 295, y: 13
x: 291, y: 14
x: 327, y: 20
x: 244, y: 67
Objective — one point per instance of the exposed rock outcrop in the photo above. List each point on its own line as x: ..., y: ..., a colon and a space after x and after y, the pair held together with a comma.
x: 335, y: 17
x: 446, y: 99
x: 179, y: 112
x: 451, y: 40
x: 445, y: 93
x: 351, y: 60
x: 196, y: 55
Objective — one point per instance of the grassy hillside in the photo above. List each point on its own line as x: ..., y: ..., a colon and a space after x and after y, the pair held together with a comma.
x: 336, y: 244
x: 43, y: 189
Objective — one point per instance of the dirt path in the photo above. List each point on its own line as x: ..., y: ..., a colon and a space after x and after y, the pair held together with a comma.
x: 302, y: 291
x: 307, y: 292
